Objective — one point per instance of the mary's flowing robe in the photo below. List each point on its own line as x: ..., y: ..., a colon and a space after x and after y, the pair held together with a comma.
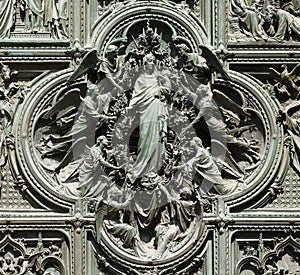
x: 146, y: 99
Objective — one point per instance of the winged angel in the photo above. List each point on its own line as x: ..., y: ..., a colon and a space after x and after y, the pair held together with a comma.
x: 116, y: 127
x: 148, y: 120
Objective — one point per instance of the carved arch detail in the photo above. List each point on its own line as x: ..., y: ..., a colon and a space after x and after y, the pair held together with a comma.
x: 116, y: 22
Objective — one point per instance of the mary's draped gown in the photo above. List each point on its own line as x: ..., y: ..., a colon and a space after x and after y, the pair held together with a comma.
x: 146, y: 100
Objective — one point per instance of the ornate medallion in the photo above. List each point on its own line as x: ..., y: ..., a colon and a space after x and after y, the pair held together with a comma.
x: 147, y: 132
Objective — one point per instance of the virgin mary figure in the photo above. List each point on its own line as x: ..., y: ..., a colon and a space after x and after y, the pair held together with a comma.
x: 150, y: 89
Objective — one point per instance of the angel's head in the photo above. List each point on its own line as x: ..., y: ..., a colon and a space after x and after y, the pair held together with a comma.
x: 102, y: 140
x: 182, y: 49
x: 93, y: 90
x: 111, y: 50
x: 115, y: 193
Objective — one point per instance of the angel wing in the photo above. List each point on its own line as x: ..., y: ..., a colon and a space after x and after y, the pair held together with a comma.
x: 274, y: 74
x: 227, y: 103
x: 213, y: 61
x: 69, y: 157
x: 295, y: 71
x: 70, y: 98
x: 89, y: 61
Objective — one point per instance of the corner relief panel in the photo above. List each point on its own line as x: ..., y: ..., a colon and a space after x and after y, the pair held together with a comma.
x: 264, y: 23
x: 31, y: 19
x: 266, y: 253
x: 33, y: 253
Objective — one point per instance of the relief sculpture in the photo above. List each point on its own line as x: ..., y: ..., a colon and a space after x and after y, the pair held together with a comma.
x: 37, y: 257
x: 45, y: 15
x: 184, y: 6
x: 11, y: 95
x: 287, y: 92
x: 276, y: 256
x: 273, y: 21
x: 33, y: 17
x: 145, y: 134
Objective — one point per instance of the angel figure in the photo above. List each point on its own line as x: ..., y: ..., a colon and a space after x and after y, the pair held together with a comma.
x: 208, y: 175
x: 184, y: 209
x: 193, y: 63
x: 102, y: 71
x: 197, y: 80
x: 109, y: 215
x: 81, y: 124
x: 203, y: 100
x: 199, y: 64
x: 93, y: 180
x: 87, y: 118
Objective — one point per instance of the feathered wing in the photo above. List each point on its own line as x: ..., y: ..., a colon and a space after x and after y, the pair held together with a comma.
x: 227, y: 103
x: 213, y: 61
x: 76, y: 146
x: 70, y: 98
x: 275, y: 75
x: 295, y: 71
x: 89, y: 61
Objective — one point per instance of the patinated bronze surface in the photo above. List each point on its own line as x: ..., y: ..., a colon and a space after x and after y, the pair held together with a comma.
x: 149, y: 137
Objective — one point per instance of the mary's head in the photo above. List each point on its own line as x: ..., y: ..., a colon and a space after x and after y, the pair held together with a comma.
x: 149, y: 62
